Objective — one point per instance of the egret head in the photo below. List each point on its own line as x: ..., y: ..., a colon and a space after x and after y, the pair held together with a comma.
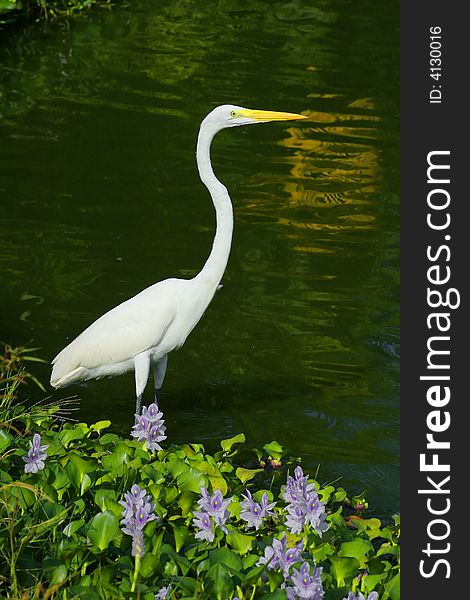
x: 229, y: 115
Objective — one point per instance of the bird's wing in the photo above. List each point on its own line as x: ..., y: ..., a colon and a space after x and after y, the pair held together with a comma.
x: 130, y: 328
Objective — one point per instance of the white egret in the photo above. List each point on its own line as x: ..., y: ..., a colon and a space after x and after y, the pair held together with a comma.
x: 139, y: 333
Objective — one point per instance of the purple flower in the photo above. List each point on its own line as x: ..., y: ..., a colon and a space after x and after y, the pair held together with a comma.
x: 360, y: 596
x: 163, y: 593
x: 142, y: 517
x: 204, y: 523
x: 36, y: 455
x: 215, y: 506
x: 137, y: 512
x: 304, y: 507
x: 138, y: 495
x: 156, y: 435
x: 306, y: 585
x: 297, y: 488
x: 141, y: 428
x: 254, y: 513
x: 279, y: 556
x: 150, y: 428
x: 213, y: 512
x: 295, y: 519
x: 152, y: 413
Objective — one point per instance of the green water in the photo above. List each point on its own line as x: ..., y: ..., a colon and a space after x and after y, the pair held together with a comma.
x: 99, y: 198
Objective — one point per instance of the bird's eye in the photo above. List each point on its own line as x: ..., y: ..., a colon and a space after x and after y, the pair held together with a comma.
x: 233, y: 113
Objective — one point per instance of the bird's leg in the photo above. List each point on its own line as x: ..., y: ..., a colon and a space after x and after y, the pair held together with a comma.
x: 141, y: 368
x: 138, y: 405
x: 159, y: 370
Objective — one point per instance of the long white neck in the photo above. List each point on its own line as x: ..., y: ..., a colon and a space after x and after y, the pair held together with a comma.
x: 214, y: 267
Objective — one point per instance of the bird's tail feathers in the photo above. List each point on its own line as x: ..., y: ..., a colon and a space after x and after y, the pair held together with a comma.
x: 67, y: 379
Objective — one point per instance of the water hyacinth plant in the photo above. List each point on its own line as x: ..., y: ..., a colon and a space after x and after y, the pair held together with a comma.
x: 306, y: 585
x: 254, y: 513
x: 279, y: 556
x: 150, y: 427
x: 201, y: 524
x: 303, y: 505
x: 137, y: 512
x: 213, y: 514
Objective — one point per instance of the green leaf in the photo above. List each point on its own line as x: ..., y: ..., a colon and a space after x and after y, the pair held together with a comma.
x: 192, y: 452
x: 339, y: 495
x: 358, y: 549
x: 392, y: 588
x: 343, y: 569
x: 73, y: 527
x: 226, y: 557
x: 77, y: 468
x: 108, y: 439
x: 274, y: 450
x: 61, y: 478
x: 52, y: 509
x: 181, y: 535
x: 322, y: 552
x: 325, y: 493
x: 149, y: 565
x: 170, y: 568
x: 202, y: 566
x: 100, y: 425
x: 218, y: 582
x: 367, y: 523
x: 102, y: 495
x: 229, y: 442
x: 214, y: 476
x: 5, y: 439
x: 186, y: 501
x: 371, y: 581
x: 86, y: 483
x: 252, y: 576
x: 250, y: 560
x: 67, y: 436
x: 103, y: 528
x: 59, y: 574
x: 186, y: 584
x: 171, y: 492
x: 191, y: 480
x: 245, y: 475
x: 388, y: 549
x: 118, y: 459
x: 175, y: 466
x: 274, y: 579
x: 240, y: 541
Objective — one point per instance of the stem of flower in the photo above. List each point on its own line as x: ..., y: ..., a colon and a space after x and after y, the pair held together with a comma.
x: 136, y: 572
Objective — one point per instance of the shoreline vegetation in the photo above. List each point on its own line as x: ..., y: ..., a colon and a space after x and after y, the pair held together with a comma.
x: 86, y: 513
x: 12, y: 11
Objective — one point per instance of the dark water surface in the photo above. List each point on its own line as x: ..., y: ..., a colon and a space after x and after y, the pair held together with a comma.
x: 99, y: 198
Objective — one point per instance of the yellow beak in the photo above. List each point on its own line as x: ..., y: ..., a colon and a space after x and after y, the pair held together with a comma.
x: 270, y: 115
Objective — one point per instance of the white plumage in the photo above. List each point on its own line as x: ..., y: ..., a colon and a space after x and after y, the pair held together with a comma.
x: 139, y: 333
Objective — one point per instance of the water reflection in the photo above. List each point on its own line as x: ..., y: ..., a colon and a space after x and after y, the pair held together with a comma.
x: 100, y: 197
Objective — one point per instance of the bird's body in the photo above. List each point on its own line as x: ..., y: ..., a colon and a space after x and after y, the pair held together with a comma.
x: 139, y: 333
x: 150, y: 324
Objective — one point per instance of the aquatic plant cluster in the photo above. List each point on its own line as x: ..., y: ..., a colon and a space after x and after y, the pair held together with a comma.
x: 87, y: 513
